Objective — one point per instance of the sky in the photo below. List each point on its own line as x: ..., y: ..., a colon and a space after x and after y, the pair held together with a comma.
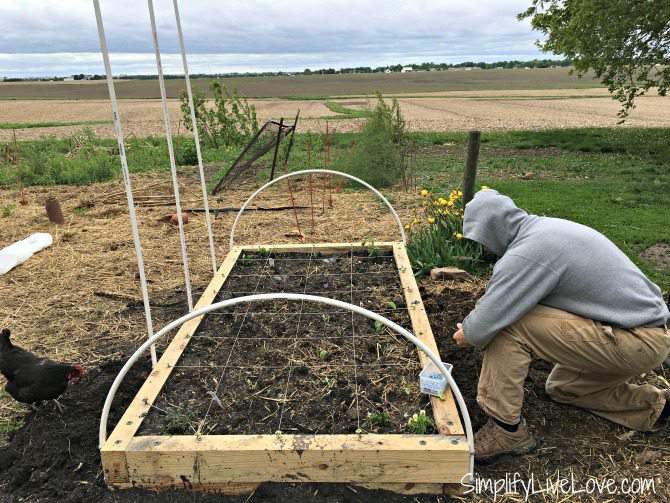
x: 45, y: 37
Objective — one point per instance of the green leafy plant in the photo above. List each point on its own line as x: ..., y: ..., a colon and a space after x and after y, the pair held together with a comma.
x: 187, y: 154
x: 420, y: 423
x: 379, y: 327
x: 246, y: 260
x: 229, y: 121
x: 323, y: 354
x: 376, y: 157
x: 179, y: 421
x: 436, y: 235
x: 377, y: 419
x: 8, y: 209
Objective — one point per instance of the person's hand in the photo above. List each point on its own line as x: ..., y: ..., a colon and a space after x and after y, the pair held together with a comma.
x: 459, y: 337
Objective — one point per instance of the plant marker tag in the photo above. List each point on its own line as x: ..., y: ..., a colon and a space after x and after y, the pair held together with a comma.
x: 431, y: 380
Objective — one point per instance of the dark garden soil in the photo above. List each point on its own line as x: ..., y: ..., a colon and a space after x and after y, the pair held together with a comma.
x: 54, y: 458
x: 296, y: 367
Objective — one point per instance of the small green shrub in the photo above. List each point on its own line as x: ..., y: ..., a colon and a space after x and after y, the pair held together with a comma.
x: 436, y: 237
x: 186, y: 153
x: 230, y: 121
x: 376, y: 156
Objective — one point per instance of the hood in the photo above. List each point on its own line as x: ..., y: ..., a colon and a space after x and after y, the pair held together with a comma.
x: 493, y: 220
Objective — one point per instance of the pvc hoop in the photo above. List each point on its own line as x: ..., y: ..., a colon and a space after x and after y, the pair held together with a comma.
x: 311, y: 171
x: 102, y: 438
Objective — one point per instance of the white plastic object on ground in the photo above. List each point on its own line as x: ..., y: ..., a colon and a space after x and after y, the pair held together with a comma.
x: 17, y: 253
x: 431, y: 380
x: 102, y: 434
x: 312, y: 171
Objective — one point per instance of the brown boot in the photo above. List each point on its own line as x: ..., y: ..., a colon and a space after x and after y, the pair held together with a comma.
x: 492, y: 441
x: 662, y: 422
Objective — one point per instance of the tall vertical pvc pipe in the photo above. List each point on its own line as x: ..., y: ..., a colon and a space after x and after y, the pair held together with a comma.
x: 126, y: 176
x: 173, y: 164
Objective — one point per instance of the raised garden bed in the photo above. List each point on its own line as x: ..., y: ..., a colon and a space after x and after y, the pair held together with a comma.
x: 292, y: 390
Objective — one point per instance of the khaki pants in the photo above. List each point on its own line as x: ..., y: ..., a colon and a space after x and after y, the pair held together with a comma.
x: 594, y: 364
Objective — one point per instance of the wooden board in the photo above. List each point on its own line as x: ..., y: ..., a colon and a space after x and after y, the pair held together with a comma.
x: 297, y: 458
x: 235, y: 464
x: 445, y: 412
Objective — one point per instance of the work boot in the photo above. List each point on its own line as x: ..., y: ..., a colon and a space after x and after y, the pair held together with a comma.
x: 492, y: 441
x: 661, y: 422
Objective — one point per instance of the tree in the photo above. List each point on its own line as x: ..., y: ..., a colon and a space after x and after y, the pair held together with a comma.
x: 625, y: 42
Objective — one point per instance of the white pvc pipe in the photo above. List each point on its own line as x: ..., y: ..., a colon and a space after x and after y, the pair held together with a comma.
x: 196, y: 136
x: 307, y: 172
x: 173, y: 164
x: 305, y: 298
x: 126, y: 176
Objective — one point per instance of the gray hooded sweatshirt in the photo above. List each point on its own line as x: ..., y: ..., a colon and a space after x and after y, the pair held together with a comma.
x: 556, y: 263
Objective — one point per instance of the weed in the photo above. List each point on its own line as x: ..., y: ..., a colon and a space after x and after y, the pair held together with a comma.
x: 179, y: 421
x: 420, y: 423
x: 8, y: 209
x: 378, y: 419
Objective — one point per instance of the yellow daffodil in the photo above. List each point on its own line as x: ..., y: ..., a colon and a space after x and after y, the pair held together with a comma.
x: 442, y: 201
x: 485, y: 187
x: 424, y: 193
x: 408, y: 227
x: 458, y: 236
x: 431, y: 220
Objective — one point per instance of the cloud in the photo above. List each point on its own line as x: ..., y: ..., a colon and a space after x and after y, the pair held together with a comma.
x: 359, y: 31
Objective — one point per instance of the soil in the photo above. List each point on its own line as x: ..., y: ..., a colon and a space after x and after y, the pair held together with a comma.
x: 296, y: 367
x: 659, y: 256
x: 54, y: 458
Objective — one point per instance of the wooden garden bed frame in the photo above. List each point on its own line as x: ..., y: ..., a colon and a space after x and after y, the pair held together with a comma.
x: 236, y: 464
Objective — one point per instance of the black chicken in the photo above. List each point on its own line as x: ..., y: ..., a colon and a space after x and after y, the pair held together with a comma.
x: 32, y: 379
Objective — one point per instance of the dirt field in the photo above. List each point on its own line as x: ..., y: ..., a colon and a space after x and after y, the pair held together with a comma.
x: 445, y: 111
x: 79, y: 301
x: 314, y: 85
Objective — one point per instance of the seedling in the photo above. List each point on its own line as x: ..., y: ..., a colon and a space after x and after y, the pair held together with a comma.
x: 323, y: 354
x: 379, y: 327
x: 246, y: 260
x: 391, y: 305
x: 179, y: 421
x: 8, y: 210
x: 264, y: 251
x: 378, y: 419
x: 419, y: 424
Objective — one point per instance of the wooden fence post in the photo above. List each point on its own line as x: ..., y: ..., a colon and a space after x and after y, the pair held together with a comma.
x: 471, y: 166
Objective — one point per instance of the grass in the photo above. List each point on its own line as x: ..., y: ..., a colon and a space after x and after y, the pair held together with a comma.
x: 616, y: 180
x: 345, y: 112
x: 30, y: 125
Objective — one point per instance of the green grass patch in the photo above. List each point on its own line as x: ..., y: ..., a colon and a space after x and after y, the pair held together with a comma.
x: 31, y: 125
x: 346, y: 112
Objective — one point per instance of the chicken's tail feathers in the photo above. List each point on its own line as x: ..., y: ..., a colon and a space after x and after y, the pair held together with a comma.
x: 4, y: 339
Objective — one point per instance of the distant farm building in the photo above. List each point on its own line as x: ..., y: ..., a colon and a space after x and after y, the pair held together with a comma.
x: 407, y: 69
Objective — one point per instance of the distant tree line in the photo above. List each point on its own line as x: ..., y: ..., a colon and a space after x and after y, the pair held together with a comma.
x: 534, y: 63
